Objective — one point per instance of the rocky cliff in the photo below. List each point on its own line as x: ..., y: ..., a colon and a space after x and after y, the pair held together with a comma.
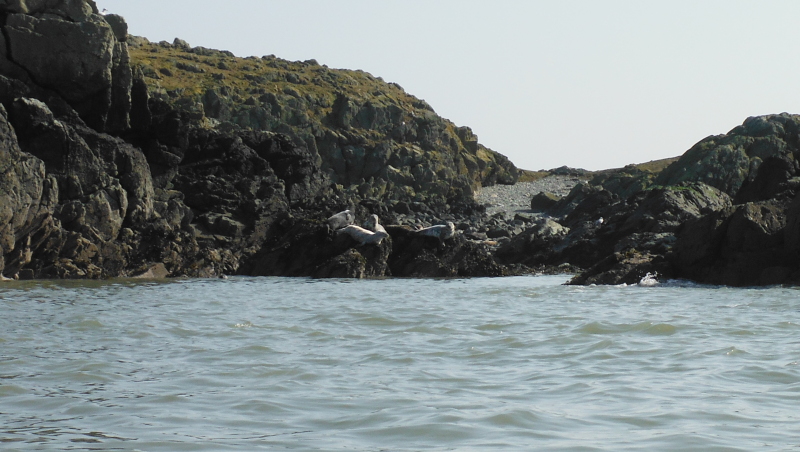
x: 368, y: 135
x: 193, y: 162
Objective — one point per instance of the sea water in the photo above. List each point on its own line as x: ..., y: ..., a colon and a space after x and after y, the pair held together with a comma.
x: 481, y: 364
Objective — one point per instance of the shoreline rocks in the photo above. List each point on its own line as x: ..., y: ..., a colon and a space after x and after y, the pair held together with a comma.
x: 113, y: 168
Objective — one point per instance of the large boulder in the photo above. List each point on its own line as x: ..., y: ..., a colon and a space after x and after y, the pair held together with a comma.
x: 543, y: 201
x: 740, y: 245
x: 75, y: 54
x: 73, y: 10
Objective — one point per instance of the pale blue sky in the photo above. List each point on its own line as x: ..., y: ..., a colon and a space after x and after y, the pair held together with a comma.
x: 592, y: 84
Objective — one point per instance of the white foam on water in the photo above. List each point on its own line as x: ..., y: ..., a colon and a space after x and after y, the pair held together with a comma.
x: 649, y: 280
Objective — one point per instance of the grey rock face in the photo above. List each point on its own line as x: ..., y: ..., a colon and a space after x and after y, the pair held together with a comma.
x: 73, y: 10
x: 81, y: 60
x: 27, y: 196
x: 732, y: 161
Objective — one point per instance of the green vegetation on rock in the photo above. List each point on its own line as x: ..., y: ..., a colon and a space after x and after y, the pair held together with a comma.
x: 730, y: 162
x: 370, y: 135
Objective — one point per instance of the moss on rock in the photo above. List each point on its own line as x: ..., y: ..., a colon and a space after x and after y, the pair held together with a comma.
x: 367, y: 133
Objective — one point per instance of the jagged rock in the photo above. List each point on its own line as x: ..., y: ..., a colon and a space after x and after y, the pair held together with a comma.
x: 577, y: 195
x: 128, y: 165
x: 776, y: 177
x: 297, y: 167
x: 536, y: 245
x: 350, y: 264
x: 302, y: 247
x: 74, y: 10
x: 157, y: 271
x: 665, y: 209
x: 644, y: 224
x: 97, y: 173
x: 118, y: 25
x: 567, y: 171
x: 791, y: 232
x: 27, y: 197
x: 728, y: 162
x: 740, y: 245
x: 81, y: 60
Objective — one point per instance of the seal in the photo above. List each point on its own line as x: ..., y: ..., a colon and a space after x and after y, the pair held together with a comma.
x: 373, y: 225
x: 442, y: 231
x: 363, y: 236
x: 340, y: 220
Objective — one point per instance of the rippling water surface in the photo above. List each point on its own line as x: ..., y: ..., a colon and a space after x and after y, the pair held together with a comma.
x: 520, y: 363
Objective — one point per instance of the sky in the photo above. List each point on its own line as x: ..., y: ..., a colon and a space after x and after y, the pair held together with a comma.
x: 587, y: 84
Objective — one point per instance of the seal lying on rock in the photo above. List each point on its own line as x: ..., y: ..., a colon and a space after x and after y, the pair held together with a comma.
x: 442, y: 231
x: 373, y: 225
x: 340, y: 220
x: 363, y: 236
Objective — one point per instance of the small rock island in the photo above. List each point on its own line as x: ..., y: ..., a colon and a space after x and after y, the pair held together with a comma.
x: 125, y: 158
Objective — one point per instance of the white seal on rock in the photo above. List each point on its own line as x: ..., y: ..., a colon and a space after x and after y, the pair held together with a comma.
x: 340, y: 220
x: 363, y: 236
x: 442, y: 231
x: 373, y: 225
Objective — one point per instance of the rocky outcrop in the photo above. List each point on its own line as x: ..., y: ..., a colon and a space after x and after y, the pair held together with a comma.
x: 68, y: 48
x: 724, y: 213
x: 28, y: 198
x: 126, y: 158
x: 732, y: 162
x: 370, y: 136
x: 740, y: 246
x: 601, y: 231
x: 105, y: 176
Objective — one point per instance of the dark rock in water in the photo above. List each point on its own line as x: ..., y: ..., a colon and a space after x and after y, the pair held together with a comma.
x: 537, y: 245
x: 350, y: 264
x: 629, y: 268
x: 302, y: 247
x: 174, y: 192
x: 420, y: 255
x: 637, y: 231
x: 724, y: 213
x: 739, y: 246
